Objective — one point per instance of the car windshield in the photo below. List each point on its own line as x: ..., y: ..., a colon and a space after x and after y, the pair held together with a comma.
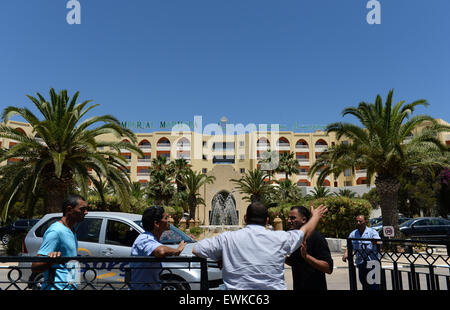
x: 172, y: 236
x: 407, y: 223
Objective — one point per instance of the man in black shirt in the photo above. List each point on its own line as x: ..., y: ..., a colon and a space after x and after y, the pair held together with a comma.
x: 313, y: 259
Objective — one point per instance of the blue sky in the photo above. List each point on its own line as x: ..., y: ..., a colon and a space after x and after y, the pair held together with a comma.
x: 253, y: 61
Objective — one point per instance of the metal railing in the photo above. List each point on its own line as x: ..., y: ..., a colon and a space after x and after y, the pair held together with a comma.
x: 391, y: 264
x: 100, y: 273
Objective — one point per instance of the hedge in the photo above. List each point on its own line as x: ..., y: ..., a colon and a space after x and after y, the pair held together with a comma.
x: 340, y: 219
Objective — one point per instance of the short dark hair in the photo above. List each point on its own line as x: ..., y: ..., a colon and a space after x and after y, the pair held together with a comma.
x: 257, y: 214
x: 151, y: 215
x: 71, y: 201
x: 303, y: 211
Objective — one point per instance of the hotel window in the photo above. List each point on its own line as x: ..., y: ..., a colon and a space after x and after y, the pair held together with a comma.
x: 241, y: 157
x: 242, y: 170
x: 241, y: 144
x: 223, y: 160
x: 204, y: 170
x: 223, y: 146
x: 204, y: 157
x: 347, y: 172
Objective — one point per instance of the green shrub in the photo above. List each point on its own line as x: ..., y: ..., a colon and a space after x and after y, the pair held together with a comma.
x: 282, y: 211
x: 340, y: 219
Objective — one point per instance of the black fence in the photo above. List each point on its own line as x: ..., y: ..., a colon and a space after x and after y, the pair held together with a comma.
x: 390, y: 264
x: 104, y: 273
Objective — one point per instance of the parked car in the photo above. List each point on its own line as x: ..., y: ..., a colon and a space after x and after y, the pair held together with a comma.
x: 6, y: 232
x: 113, y: 234
x: 426, y: 227
x: 374, y: 221
x: 379, y: 226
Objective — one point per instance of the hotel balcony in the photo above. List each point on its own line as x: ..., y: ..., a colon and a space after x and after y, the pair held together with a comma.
x: 185, y: 156
x: 145, y: 148
x: 303, y: 161
x: 144, y: 162
x: 361, y: 173
x: 283, y: 146
x: 163, y: 146
x: 302, y: 148
x: 143, y: 177
x: 184, y: 147
x: 262, y: 146
x: 321, y: 148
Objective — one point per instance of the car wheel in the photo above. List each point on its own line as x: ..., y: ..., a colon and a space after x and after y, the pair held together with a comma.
x: 174, y: 284
x: 5, y: 239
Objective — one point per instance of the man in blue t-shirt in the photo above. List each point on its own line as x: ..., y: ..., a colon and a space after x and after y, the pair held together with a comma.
x: 145, y: 276
x: 60, y: 241
x: 365, y: 250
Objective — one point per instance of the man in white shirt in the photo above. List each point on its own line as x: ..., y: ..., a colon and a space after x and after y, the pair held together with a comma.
x: 253, y: 257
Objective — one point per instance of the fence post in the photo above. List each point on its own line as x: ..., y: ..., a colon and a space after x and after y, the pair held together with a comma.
x: 351, y: 266
x: 204, y: 275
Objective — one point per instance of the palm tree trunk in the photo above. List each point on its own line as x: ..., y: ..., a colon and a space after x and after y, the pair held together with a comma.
x: 387, y: 188
x: 192, y: 202
x: 56, y: 190
x: 55, y: 197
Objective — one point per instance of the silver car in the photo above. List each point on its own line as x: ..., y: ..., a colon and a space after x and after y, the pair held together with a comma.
x: 113, y: 234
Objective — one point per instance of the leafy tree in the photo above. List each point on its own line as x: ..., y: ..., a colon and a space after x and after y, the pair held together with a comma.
x: 66, y: 150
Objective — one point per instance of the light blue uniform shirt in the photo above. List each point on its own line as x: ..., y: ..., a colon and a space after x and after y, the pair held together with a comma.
x: 364, y: 250
x: 58, y: 238
x: 252, y: 257
x: 143, y: 273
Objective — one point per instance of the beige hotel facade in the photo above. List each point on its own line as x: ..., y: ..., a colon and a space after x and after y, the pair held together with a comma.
x: 230, y: 154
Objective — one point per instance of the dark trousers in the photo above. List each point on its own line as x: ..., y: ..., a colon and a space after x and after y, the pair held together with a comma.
x: 362, y: 273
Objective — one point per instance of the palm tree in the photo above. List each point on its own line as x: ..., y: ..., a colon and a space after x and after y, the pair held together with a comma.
x: 269, y: 162
x: 179, y: 167
x: 287, y: 191
x: 160, y: 189
x: 66, y: 151
x: 193, y: 181
x: 319, y: 192
x: 346, y: 193
x: 380, y: 147
x: 288, y: 164
x: 253, y: 183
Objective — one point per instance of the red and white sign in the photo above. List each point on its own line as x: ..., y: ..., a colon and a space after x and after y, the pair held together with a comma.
x: 388, y: 231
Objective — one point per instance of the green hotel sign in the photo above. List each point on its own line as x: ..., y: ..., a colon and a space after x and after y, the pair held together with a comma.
x: 195, y: 125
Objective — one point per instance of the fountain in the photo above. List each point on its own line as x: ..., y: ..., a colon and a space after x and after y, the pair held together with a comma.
x: 223, y: 213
